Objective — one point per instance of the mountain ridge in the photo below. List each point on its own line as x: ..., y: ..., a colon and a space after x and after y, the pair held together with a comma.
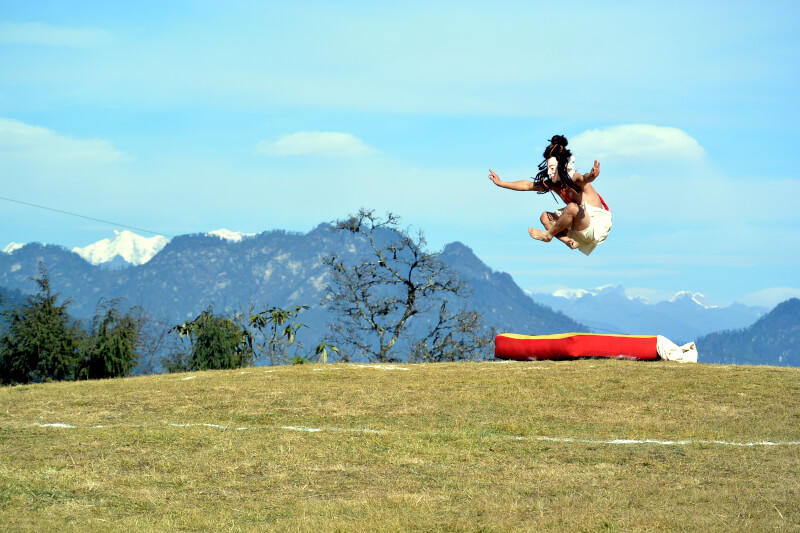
x: 275, y: 268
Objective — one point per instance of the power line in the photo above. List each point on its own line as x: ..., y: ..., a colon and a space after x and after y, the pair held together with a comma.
x: 83, y: 216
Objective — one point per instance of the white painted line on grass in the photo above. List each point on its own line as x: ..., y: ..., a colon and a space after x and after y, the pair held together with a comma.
x: 626, y: 442
x: 562, y: 440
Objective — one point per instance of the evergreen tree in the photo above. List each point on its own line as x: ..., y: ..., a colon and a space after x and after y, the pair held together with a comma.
x: 216, y: 343
x: 40, y: 342
x: 111, y: 349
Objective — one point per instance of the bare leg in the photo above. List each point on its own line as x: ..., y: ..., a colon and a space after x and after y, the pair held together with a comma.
x: 548, y: 221
x: 572, y: 217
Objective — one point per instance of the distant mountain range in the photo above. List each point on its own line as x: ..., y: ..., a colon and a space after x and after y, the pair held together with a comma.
x: 175, y: 280
x: 683, y: 318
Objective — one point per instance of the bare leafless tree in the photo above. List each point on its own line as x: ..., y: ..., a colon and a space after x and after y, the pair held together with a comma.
x: 155, y: 341
x: 376, y: 297
x: 454, y: 337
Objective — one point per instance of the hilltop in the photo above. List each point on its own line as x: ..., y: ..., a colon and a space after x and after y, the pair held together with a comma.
x: 578, y: 446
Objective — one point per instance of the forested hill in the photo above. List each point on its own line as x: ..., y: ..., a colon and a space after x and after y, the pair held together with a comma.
x: 773, y: 340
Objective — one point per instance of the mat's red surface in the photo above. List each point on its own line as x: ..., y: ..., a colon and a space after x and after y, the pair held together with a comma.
x: 574, y: 345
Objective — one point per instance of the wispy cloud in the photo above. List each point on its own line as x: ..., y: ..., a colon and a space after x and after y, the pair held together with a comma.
x: 638, y: 141
x: 319, y: 143
x: 38, y: 33
x: 19, y: 140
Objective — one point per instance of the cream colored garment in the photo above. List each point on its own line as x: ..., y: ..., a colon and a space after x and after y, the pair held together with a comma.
x: 599, y: 227
x: 669, y: 351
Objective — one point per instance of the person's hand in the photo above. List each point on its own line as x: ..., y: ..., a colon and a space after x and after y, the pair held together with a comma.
x: 595, y: 170
x: 494, y: 177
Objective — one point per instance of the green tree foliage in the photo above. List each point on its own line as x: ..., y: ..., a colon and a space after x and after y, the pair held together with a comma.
x: 111, y: 350
x: 321, y: 352
x: 216, y: 342
x: 379, y: 297
x: 40, y: 341
x: 277, y: 330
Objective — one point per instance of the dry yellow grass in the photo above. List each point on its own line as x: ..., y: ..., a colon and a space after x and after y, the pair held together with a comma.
x: 448, y: 447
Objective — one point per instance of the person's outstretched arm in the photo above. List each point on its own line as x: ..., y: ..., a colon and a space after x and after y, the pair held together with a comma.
x: 589, y: 176
x: 522, y: 185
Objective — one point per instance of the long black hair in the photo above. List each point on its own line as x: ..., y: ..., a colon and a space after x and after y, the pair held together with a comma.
x: 557, y: 149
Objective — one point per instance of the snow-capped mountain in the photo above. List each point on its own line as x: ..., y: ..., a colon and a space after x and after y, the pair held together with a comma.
x: 125, y: 246
x: 228, y: 235
x: 681, y: 297
x: 684, y: 317
x: 572, y: 294
x: 694, y: 297
x: 12, y: 246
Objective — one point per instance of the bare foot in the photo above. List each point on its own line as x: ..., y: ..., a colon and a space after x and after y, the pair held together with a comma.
x: 540, y: 235
x: 569, y: 242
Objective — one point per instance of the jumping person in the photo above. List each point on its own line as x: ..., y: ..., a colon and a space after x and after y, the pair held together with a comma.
x: 584, y: 222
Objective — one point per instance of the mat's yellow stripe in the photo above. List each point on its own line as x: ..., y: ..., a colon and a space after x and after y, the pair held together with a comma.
x: 565, y: 335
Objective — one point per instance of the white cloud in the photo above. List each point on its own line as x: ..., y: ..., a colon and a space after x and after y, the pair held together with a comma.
x: 638, y: 141
x: 37, y: 33
x: 322, y: 143
x: 770, y: 297
x: 19, y: 140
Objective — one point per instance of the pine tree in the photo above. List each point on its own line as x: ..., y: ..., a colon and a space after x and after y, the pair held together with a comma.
x: 216, y: 343
x: 41, y: 342
x: 111, y: 350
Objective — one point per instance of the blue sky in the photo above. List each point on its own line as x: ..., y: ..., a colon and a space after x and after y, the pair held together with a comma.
x: 183, y: 117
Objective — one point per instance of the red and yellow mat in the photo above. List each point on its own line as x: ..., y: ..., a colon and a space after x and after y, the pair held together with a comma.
x: 575, y: 345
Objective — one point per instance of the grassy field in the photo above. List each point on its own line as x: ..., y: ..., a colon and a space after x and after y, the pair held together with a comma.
x: 589, y: 445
